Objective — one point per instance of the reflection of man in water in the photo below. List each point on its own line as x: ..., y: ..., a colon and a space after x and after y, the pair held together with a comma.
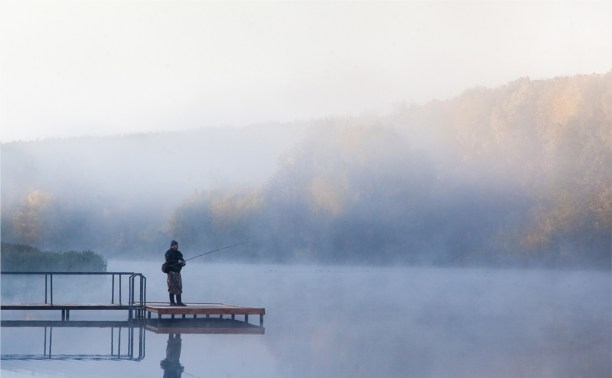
x: 171, y: 365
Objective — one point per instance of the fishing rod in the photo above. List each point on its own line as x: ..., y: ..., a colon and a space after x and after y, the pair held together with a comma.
x: 215, y: 250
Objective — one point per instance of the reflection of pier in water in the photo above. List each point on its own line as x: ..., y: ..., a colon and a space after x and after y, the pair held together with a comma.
x: 203, y: 326
x: 127, y: 338
x: 127, y: 334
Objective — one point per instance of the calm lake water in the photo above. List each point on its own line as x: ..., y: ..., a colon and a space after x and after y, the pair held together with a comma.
x: 342, y: 322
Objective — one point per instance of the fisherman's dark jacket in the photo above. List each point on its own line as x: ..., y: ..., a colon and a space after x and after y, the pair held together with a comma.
x: 172, y: 260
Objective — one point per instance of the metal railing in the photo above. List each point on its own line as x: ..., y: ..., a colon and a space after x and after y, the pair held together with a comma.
x: 135, y: 302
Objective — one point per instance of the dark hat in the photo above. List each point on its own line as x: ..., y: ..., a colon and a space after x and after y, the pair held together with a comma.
x: 174, y: 242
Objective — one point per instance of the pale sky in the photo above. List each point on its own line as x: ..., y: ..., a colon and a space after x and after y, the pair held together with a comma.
x: 86, y: 68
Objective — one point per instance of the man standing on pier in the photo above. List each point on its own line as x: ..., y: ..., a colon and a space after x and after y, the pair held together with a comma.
x: 175, y: 262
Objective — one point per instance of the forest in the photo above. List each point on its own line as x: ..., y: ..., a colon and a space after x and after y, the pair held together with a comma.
x: 514, y: 176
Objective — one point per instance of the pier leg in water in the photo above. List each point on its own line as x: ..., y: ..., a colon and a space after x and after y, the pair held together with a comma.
x: 172, y: 302
x: 179, y: 301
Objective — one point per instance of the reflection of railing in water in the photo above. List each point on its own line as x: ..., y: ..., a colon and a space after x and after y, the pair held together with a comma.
x: 134, y: 303
x: 116, y: 327
x: 134, y: 348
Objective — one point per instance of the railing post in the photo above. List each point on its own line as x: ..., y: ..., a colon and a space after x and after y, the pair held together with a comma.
x: 113, y: 290
x: 141, y: 292
x: 51, y: 291
x: 144, y: 297
x: 45, y: 288
x: 120, y: 302
x: 130, y: 296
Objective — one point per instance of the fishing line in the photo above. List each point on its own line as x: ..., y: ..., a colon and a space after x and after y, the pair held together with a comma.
x: 215, y: 250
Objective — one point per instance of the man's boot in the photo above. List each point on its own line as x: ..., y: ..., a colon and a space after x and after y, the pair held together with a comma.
x: 172, y: 302
x: 179, y: 301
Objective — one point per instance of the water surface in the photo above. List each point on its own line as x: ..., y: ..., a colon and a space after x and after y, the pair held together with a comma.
x: 350, y: 322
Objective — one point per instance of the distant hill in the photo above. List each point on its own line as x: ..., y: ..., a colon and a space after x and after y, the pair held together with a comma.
x: 517, y: 176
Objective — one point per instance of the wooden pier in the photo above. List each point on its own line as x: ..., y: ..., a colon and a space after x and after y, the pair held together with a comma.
x: 134, y: 301
x: 204, y: 309
x: 66, y: 307
x: 128, y: 291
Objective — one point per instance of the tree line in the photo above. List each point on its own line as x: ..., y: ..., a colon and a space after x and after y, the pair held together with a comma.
x: 24, y: 258
x: 517, y: 176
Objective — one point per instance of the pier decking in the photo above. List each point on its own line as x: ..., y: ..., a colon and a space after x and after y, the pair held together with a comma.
x: 203, y: 309
x: 66, y: 307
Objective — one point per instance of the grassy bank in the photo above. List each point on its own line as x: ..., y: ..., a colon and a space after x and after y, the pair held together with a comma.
x: 23, y: 258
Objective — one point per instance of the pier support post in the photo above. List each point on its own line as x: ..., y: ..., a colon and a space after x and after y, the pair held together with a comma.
x: 65, y: 314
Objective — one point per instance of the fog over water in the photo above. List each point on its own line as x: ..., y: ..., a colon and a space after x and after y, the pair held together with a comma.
x: 330, y: 321
x: 423, y: 188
